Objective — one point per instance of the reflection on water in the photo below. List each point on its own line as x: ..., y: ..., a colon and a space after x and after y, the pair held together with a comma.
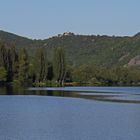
x: 61, y: 114
x: 108, y: 94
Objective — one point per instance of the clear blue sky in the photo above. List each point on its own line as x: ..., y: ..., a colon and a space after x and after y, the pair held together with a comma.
x: 45, y: 18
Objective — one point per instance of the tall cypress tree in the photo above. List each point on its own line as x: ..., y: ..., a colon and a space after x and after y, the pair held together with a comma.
x: 6, y: 61
x: 3, y: 56
x: 15, y: 63
x: 59, y: 66
x: 9, y: 66
x: 41, y: 65
x: 3, y: 63
x: 23, y: 67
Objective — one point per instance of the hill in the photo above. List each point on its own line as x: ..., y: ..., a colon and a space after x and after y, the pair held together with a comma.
x: 84, y: 49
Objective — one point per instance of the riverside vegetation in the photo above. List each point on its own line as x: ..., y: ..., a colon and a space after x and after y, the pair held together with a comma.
x: 16, y: 67
x: 69, y: 59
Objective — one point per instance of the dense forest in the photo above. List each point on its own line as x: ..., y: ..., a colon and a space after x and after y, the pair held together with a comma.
x: 101, y: 50
x: 18, y: 69
x: 70, y: 59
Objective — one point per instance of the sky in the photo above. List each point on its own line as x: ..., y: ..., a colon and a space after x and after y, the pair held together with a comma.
x: 39, y: 19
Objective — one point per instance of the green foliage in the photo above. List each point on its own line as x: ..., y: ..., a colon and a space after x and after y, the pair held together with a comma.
x: 39, y: 84
x: 59, y: 66
x: 105, y: 76
x: 95, y: 82
x: 3, y: 74
x: 41, y: 65
x: 3, y: 56
x: 17, y: 83
x: 48, y: 83
x: 52, y: 83
x: 9, y: 60
x: 92, y: 60
x: 15, y: 62
x: 82, y: 49
x: 23, y: 67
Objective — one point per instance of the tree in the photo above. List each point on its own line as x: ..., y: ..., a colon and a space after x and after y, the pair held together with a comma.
x: 41, y: 65
x: 23, y: 67
x: 3, y: 74
x: 9, y: 66
x: 14, y: 60
x: 59, y: 66
x: 3, y: 56
x: 50, y: 71
x: 9, y: 60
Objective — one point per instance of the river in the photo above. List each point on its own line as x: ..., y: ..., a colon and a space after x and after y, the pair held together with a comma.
x: 70, y: 113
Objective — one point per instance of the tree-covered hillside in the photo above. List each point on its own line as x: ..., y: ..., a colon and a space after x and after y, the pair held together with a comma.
x: 70, y: 59
x: 84, y: 49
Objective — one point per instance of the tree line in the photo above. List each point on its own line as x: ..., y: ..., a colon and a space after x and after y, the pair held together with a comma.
x: 18, y: 68
x: 106, y: 76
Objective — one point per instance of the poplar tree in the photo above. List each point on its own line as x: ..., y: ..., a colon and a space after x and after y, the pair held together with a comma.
x: 23, y: 67
x: 59, y: 66
x: 9, y: 66
x: 15, y: 62
x: 41, y: 65
x: 3, y: 63
x: 3, y: 56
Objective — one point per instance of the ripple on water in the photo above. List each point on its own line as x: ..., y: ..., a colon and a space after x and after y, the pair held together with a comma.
x: 43, y: 117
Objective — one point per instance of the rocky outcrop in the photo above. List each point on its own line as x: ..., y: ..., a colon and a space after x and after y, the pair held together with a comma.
x: 134, y: 61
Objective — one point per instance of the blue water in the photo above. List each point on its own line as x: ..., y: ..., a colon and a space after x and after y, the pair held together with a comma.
x: 67, y: 118
x: 95, y: 89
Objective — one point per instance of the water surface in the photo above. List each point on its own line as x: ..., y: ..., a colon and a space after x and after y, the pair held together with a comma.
x: 72, y: 113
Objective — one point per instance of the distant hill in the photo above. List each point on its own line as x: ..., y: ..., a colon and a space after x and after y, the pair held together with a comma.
x: 84, y: 49
x: 9, y: 38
